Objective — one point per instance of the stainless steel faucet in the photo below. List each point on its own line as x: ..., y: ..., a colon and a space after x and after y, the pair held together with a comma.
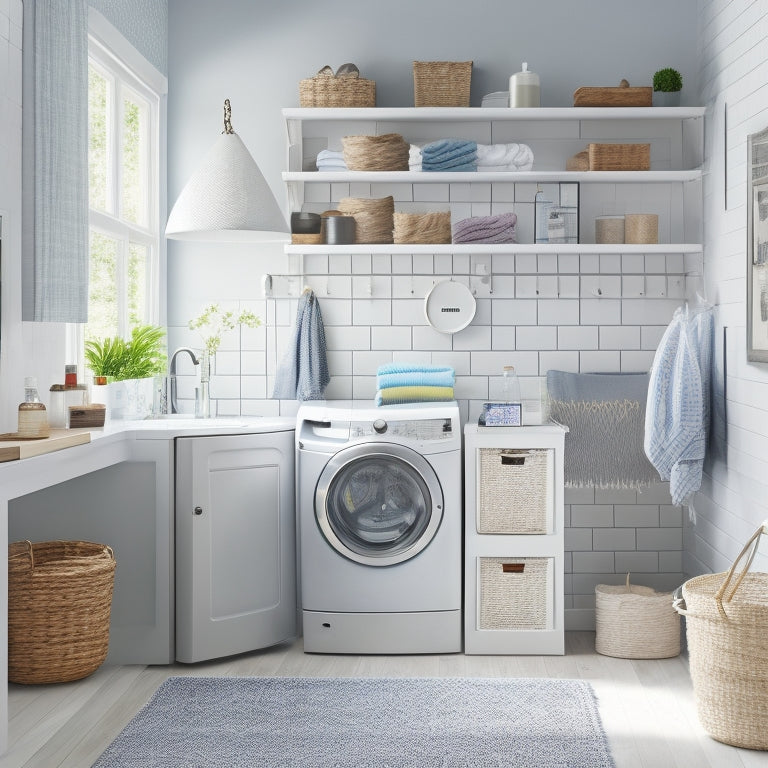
x: 172, y: 374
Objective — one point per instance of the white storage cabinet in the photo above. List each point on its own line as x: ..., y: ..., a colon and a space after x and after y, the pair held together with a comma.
x: 514, y: 540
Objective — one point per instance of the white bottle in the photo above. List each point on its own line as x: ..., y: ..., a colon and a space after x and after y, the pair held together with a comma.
x: 524, y: 89
x: 510, y: 385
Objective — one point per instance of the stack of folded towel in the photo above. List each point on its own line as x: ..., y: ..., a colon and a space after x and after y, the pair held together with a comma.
x: 486, y: 229
x: 398, y: 383
x: 449, y: 155
x: 504, y: 157
x: 330, y: 160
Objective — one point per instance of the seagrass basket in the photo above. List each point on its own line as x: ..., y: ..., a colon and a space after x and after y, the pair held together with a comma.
x: 374, y: 217
x: 423, y: 227
x: 59, y: 604
x: 641, y: 228
x: 619, y: 157
x: 726, y: 624
x: 514, y: 592
x: 387, y: 152
x: 331, y: 91
x: 441, y: 83
x: 635, y: 622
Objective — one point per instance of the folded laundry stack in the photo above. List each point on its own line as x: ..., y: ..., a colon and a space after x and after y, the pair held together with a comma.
x: 504, y: 157
x: 398, y: 383
x: 449, y: 155
x: 486, y: 229
x: 330, y: 160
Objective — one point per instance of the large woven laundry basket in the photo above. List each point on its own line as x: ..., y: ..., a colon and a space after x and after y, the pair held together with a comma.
x: 59, y: 604
x: 727, y: 629
x: 635, y: 622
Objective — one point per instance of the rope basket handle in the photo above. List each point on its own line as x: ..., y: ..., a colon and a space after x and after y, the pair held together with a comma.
x: 753, y: 542
x: 31, y: 553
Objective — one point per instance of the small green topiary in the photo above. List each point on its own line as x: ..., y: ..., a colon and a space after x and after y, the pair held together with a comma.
x: 667, y: 80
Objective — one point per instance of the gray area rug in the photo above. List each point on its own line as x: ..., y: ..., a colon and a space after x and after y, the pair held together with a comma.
x: 274, y: 722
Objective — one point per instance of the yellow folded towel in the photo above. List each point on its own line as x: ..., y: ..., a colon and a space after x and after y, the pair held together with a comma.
x: 414, y: 394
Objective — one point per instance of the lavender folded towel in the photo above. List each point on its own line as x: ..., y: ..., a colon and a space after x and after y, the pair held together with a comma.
x: 486, y: 229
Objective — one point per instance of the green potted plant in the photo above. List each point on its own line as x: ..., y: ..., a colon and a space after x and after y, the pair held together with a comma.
x: 128, y: 367
x: 667, y: 84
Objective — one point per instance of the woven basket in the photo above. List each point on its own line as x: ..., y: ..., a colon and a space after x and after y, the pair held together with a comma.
x: 331, y: 91
x: 619, y: 157
x: 388, y: 152
x: 441, y: 83
x: 514, y: 490
x: 422, y: 227
x: 727, y: 629
x: 513, y: 592
x: 635, y: 622
x: 374, y: 218
x: 609, y: 229
x: 641, y: 228
x: 59, y: 602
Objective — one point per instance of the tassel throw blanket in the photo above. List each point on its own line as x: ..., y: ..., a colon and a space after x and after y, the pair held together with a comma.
x: 605, y: 416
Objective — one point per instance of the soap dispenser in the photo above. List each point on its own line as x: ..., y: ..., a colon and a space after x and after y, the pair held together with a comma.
x: 524, y: 89
x: 33, y: 418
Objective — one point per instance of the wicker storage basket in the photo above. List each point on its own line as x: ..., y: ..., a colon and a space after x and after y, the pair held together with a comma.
x: 331, y: 91
x: 59, y: 603
x: 514, y: 592
x: 423, y: 227
x: 374, y: 217
x: 641, y: 228
x: 619, y: 157
x: 635, y: 622
x: 441, y: 83
x: 388, y: 152
x: 514, y: 490
x: 726, y: 619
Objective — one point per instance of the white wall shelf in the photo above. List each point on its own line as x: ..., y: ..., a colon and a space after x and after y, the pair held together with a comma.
x: 485, y: 248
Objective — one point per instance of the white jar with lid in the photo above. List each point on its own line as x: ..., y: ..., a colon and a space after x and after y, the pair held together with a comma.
x: 524, y: 89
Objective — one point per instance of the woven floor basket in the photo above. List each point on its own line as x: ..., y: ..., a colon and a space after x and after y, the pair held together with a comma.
x: 635, y: 622
x: 513, y: 592
x: 441, y: 83
x: 374, y: 217
x: 388, y: 152
x: 59, y: 603
x: 513, y: 491
x: 423, y: 227
x: 329, y: 91
x: 726, y: 618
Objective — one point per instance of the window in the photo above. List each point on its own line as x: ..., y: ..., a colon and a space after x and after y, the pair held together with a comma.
x: 124, y: 188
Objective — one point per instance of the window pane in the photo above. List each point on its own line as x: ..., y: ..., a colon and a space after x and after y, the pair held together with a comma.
x: 102, y: 290
x: 135, y: 164
x: 98, y: 139
x: 138, y: 262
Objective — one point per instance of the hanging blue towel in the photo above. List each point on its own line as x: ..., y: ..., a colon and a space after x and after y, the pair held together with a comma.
x: 678, y: 410
x: 303, y: 373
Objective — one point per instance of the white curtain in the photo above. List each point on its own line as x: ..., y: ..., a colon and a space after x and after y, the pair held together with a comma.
x: 56, y: 160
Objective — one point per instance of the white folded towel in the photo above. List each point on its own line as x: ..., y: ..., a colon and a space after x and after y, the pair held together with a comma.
x: 330, y: 160
x: 510, y: 157
x: 414, y: 157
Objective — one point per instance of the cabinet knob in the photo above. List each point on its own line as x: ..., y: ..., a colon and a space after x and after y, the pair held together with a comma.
x: 198, y: 510
x: 380, y: 426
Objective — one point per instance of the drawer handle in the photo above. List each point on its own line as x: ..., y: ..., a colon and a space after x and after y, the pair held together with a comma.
x: 515, y: 461
x: 513, y: 567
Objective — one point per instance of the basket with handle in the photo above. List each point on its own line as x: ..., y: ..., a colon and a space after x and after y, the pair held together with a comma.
x: 59, y: 604
x: 727, y: 628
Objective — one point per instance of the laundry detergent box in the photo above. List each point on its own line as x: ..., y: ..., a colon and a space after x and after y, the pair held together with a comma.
x: 502, y: 414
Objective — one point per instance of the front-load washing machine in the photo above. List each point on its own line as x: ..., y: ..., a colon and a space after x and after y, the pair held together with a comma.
x: 379, y: 504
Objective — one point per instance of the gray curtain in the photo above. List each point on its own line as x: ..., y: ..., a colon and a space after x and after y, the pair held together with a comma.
x: 56, y: 160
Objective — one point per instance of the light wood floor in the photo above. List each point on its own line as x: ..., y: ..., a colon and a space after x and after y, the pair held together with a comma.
x: 647, y: 706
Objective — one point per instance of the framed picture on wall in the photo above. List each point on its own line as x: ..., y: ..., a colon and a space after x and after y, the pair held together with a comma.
x: 757, y: 247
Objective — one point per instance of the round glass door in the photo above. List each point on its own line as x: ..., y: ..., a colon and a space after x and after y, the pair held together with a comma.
x: 378, y: 504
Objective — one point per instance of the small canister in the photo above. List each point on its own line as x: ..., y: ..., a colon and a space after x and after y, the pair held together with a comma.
x: 338, y: 230
x: 609, y: 229
x: 641, y: 228
x: 524, y: 89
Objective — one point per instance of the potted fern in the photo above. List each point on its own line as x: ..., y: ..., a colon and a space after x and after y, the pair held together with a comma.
x: 129, y: 368
x: 667, y: 84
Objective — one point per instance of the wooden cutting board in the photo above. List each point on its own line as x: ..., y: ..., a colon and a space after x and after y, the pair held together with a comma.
x: 13, y: 448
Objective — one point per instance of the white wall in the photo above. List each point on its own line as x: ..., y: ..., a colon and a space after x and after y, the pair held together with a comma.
x: 734, y: 83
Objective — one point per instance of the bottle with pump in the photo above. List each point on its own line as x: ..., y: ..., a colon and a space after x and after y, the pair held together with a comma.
x: 524, y: 89
x: 33, y: 417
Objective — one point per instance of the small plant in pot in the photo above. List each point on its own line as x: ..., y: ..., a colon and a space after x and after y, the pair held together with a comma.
x: 667, y: 84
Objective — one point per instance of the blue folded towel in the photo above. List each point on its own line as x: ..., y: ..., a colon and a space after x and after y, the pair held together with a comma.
x: 440, y: 378
x: 412, y: 367
x: 446, y: 149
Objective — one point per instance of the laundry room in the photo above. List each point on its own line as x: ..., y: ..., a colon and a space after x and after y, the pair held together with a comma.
x: 453, y: 428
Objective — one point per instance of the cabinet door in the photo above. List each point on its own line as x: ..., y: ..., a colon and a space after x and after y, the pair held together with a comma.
x: 235, y: 544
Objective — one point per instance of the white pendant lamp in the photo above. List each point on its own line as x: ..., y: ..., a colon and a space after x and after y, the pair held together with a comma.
x: 227, y: 199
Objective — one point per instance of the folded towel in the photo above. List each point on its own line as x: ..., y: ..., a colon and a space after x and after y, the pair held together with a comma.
x: 504, y: 156
x: 303, y: 373
x: 330, y: 160
x: 401, y: 395
x: 416, y: 379
x: 449, y: 155
x: 486, y: 229
x: 412, y: 368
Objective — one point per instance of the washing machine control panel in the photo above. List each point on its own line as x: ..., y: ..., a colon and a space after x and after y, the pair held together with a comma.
x: 418, y: 429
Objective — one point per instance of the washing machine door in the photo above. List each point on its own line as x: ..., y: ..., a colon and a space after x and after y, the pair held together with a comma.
x: 378, y: 504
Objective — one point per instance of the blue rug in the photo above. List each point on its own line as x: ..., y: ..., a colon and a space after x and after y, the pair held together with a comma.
x: 278, y: 722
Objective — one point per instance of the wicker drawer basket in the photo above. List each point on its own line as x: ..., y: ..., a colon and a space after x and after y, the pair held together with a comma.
x: 634, y: 622
x: 329, y: 91
x: 514, y: 593
x: 619, y: 157
x: 514, y: 490
x: 59, y: 604
x: 441, y: 83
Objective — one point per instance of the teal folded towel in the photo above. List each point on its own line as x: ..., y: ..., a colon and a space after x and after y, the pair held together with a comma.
x: 416, y: 379
x: 411, y: 368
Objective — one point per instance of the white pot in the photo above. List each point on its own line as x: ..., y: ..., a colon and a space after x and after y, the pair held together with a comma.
x: 130, y: 399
